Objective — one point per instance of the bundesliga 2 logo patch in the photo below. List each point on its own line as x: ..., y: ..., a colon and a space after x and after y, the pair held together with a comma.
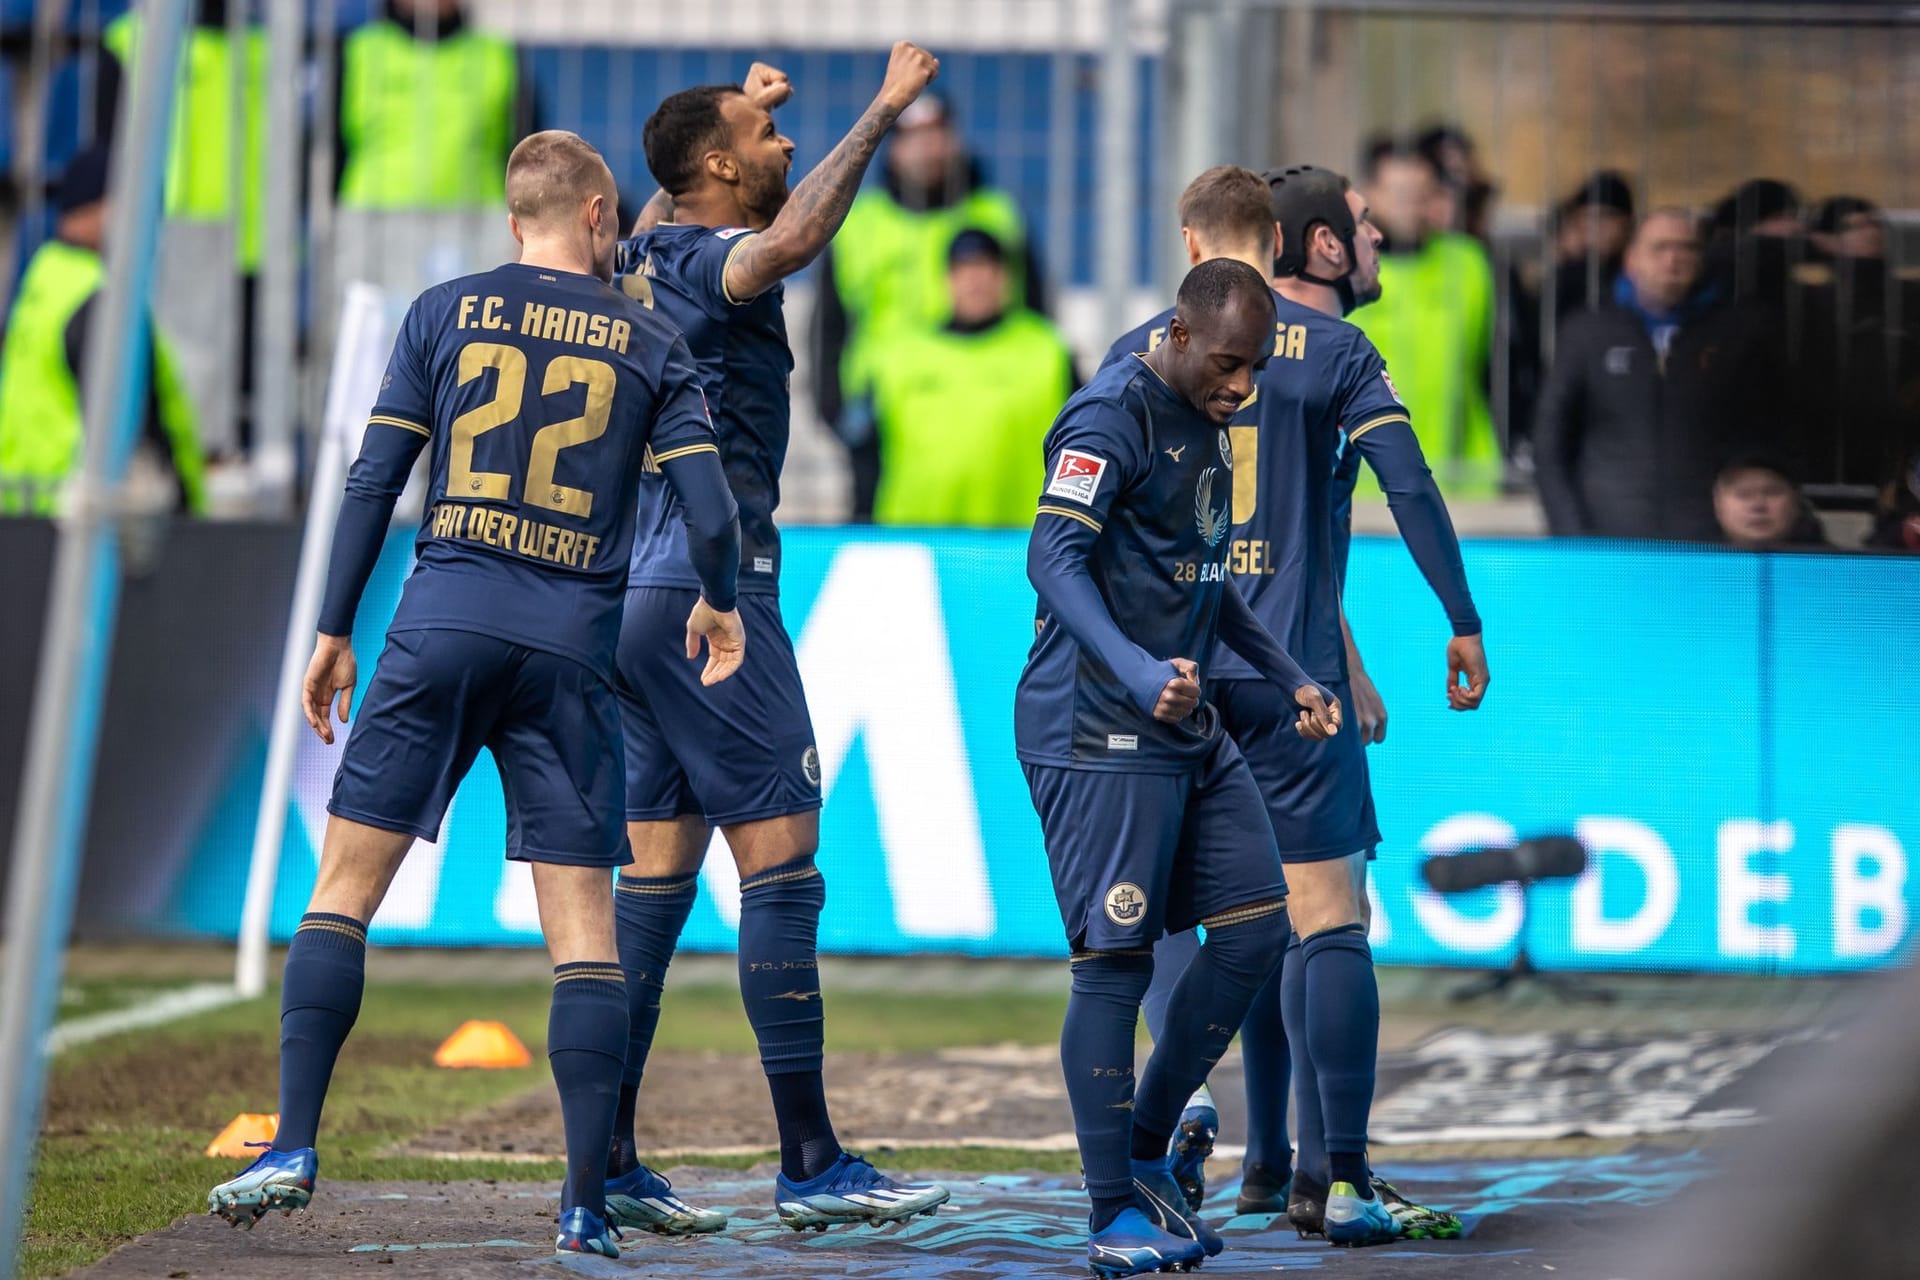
x: 1126, y: 904
x: 1076, y: 476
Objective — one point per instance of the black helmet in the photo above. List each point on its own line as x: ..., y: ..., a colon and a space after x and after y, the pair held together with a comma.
x: 1303, y: 196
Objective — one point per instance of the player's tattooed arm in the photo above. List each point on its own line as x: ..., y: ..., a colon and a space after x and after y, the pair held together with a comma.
x: 653, y: 213
x: 819, y: 204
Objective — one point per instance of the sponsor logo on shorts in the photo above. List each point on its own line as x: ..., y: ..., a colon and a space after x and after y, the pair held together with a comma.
x: 810, y: 765
x: 763, y: 564
x: 1076, y: 476
x: 1126, y: 904
x: 1123, y: 742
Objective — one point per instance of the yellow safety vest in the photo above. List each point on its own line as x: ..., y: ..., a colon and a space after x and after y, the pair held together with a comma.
x: 200, y: 179
x: 428, y: 124
x: 40, y: 423
x: 890, y: 269
x: 961, y: 418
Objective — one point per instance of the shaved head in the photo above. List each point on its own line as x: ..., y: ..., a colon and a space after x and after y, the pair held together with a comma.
x: 552, y: 174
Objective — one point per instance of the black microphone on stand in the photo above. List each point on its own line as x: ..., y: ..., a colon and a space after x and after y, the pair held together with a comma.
x: 1525, y: 864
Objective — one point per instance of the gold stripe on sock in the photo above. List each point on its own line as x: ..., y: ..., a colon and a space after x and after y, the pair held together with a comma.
x: 333, y: 926
x: 782, y: 877
x: 623, y: 885
x: 1244, y: 915
x: 609, y: 973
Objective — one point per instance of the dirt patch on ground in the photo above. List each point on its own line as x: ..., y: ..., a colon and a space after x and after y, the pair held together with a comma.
x: 169, y: 1082
x: 718, y: 1102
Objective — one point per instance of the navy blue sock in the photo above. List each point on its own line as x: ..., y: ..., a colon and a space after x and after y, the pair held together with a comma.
x: 1310, y: 1134
x: 648, y: 915
x: 780, y: 985
x: 1096, y: 1054
x: 1343, y: 1035
x: 319, y: 1000
x: 1209, y: 1003
x: 586, y: 1044
x: 1171, y: 956
x: 1269, y: 1070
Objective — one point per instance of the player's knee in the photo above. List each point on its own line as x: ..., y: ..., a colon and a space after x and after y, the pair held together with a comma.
x: 1121, y: 974
x: 1250, y: 938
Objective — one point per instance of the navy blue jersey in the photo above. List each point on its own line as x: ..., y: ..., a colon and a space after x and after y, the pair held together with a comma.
x: 542, y: 395
x: 740, y: 346
x: 1325, y: 385
x: 1137, y: 508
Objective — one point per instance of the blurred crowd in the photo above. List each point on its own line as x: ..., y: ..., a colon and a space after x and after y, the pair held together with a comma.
x: 1649, y: 371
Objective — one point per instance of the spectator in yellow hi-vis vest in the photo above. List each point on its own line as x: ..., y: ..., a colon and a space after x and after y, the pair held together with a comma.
x: 429, y: 109
x: 48, y: 339
x: 1433, y: 323
x: 961, y: 410
x: 885, y: 275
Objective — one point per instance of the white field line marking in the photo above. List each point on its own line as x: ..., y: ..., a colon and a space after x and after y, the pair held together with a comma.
x: 166, y: 1007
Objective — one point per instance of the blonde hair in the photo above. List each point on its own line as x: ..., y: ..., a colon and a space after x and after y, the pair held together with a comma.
x: 552, y: 173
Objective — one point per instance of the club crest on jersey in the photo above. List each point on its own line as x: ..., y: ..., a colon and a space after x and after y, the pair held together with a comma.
x: 1213, y: 523
x: 1126, y: 904
x: 1076, y: 476
x: 1226, y: 450
x: 810, y: 765
x: 1391, y: 389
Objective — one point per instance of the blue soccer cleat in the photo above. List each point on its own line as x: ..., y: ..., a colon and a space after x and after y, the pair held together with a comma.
x: 1130, y: 1245
x: 280, y: 1180
x: 1353, y: 1223
x: 1193, y: 1147
x: 644, y: 1200
x: 1160, y: 1201
x: 582, y: 1231
x: 852, y: 1191
x: 1263, y: 1189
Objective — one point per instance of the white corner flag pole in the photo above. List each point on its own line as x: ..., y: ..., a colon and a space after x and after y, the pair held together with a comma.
x: 358, y: 359
x: 82, y: 604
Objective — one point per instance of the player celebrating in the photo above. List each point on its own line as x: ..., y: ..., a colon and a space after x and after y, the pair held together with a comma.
x: 540, y: 391
x: 739, y: 756
x: 1325, y: 396
x: 1149, y: 814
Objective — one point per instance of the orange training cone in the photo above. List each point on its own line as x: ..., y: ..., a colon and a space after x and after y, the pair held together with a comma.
x: 482, y: 1044
x: 244, y: 1128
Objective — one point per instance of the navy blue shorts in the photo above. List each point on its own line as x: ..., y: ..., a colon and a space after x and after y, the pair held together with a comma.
x: 552, y: 725
x: 738, y: 752
x: 1136, y: 855
x: 1318, y: 794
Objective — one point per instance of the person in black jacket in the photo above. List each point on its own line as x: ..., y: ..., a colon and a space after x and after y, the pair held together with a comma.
x: 1649, y: 394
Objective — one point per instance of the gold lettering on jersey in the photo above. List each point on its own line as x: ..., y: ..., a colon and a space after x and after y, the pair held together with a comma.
x: 1290, y: 341
x: 530, y: 539
x: 1250, y: 557
x: 488, y: 311
x: 1189, y: 571
x: 553, y: 324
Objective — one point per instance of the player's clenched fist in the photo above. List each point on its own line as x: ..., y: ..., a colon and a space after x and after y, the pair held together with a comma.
x: 1319, y: 714
x: 909, y: 71
x: 1181, y: 695
x: 726, y: 638
x: 766, y: 86
x: 332, y: 671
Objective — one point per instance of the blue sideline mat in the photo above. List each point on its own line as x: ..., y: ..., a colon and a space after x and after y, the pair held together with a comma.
x: 1521, y: 1215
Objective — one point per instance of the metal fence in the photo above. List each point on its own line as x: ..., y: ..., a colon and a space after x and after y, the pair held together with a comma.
x: 1685, y: 100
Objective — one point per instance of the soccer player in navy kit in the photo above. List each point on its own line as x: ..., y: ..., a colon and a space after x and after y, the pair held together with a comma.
x: 1150, y: 817
x: 541, y: 392
x: 1323, y: 402
x: 739, y: 756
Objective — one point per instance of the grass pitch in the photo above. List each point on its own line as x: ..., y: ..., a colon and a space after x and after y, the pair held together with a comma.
x: 128, y: 1117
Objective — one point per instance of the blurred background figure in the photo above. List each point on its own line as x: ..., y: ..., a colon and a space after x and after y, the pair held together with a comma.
x: 1434, y: 320
x: 884, y: 277
x: 43, y: 366
x: 961, y: 410
x: 215, y: 207
x: 429, y: 109
x: 1649, y: 393
x: 1896, y: 523
x: 1756, y: 235
x: 1758, y: 507
x: 1860, y: 348
x: 1465, y: 199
